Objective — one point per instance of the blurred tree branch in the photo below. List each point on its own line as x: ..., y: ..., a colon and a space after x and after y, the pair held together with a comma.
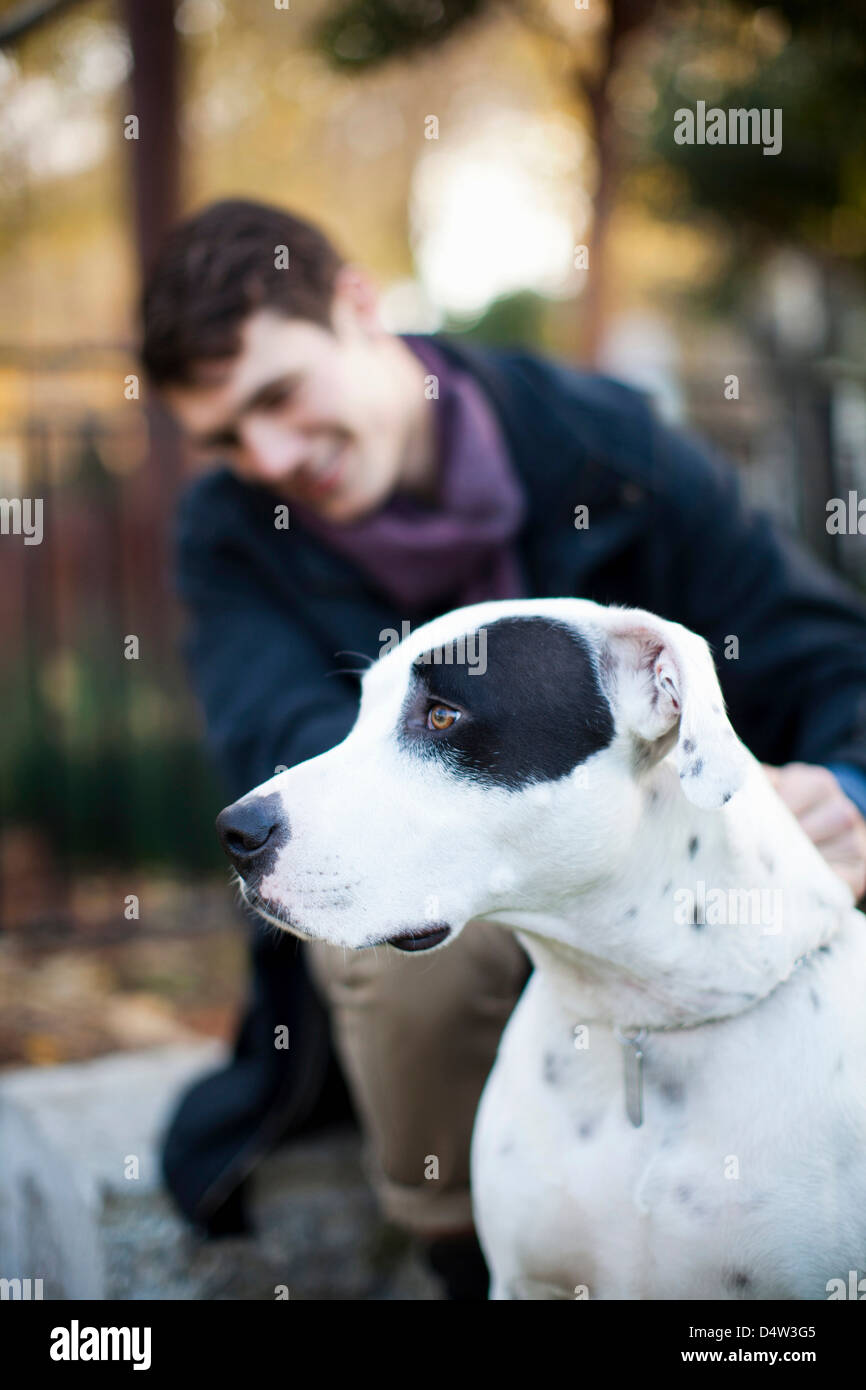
x: 818, y: 192
x: 24, y: 18
x: 365, y: 33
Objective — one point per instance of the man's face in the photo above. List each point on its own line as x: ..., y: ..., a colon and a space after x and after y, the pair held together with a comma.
x: 315, y: 416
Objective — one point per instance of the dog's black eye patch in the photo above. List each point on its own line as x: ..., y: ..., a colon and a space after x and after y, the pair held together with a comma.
x: 531, y: 705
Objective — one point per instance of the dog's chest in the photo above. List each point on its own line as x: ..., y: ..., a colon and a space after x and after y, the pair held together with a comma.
x: 554, y: 1152
x: 572, y: 1200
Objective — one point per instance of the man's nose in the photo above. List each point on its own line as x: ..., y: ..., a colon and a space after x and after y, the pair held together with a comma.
x: 272, y: 449
x: 251, y: 831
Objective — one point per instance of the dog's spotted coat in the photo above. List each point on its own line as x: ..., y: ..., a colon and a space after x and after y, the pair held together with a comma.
x: 589, y: 775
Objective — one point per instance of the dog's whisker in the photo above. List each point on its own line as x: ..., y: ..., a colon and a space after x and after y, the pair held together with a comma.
x: 371, y: 660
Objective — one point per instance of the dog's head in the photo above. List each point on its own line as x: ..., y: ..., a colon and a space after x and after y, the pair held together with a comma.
x: 496, y: 765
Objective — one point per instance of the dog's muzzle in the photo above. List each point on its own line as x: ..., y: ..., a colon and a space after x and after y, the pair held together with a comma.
x: 254, y: 830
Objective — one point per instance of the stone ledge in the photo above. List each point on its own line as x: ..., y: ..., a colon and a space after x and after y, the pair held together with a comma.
x: 70, y: 1216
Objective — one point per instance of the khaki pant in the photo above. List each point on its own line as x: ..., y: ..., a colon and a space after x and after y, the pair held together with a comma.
x: 417, y: 1036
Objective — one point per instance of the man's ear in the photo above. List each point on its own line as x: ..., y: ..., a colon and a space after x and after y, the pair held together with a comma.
x: 663, y: 682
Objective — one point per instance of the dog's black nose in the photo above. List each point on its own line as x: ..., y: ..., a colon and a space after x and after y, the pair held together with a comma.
x: 250, y: 829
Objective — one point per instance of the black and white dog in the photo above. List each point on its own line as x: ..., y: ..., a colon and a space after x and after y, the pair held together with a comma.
x: 678, y: 1105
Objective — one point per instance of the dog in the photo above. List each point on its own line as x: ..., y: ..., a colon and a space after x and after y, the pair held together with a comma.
x: 677, y: 1109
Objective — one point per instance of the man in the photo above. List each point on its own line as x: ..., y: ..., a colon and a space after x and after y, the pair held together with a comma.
x: 367, y: 480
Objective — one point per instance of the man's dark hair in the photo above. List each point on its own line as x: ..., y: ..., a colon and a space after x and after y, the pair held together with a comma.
x: 218, y: 267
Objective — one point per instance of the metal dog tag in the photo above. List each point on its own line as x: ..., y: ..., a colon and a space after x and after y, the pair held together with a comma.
x: 633, y: 1073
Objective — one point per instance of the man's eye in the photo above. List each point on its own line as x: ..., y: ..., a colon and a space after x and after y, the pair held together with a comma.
x: 276, y: 397
x: 441, y: 717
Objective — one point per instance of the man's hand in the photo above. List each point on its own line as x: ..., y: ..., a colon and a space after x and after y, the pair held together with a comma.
x: 828, y: 816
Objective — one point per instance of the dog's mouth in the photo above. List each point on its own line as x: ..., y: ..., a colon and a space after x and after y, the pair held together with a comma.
x: 414, y: 939
x: 420, y: 938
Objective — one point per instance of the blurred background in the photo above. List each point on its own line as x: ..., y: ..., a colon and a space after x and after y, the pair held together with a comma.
x: 506, y: 170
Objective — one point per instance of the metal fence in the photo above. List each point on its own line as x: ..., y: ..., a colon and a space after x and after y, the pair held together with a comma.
x: 100, y: 756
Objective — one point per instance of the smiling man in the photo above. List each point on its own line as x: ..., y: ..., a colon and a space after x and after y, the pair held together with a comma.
x: 420, y: 475
x: 312, y: 413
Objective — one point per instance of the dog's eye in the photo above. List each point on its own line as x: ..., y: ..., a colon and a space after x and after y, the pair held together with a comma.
x: 441, y: 717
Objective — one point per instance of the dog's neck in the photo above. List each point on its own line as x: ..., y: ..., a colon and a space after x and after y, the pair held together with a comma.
x: 705, y: 915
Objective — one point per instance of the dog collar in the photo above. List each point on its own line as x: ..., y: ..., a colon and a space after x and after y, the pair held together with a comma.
x: 631, y: 1040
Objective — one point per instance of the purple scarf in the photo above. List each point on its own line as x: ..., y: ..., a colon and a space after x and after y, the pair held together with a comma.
x: 460, y: 550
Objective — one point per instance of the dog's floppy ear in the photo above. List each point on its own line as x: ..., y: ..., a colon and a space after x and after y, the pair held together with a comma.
x: 664, y: 683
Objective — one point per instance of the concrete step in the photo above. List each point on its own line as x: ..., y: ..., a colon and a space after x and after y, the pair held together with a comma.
x: 82, y: 1208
